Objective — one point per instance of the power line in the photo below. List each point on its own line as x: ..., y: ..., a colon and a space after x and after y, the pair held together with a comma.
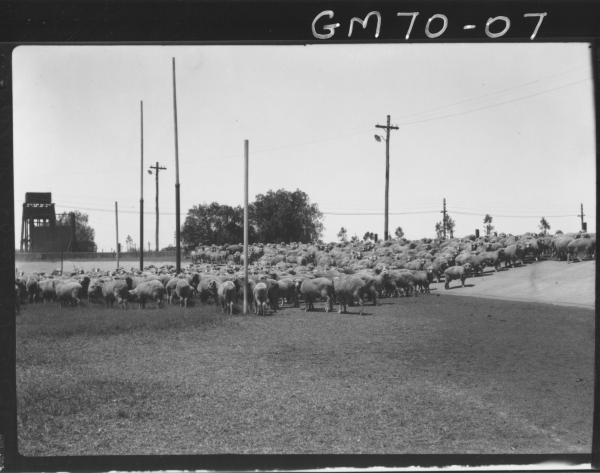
x: 376, y: 213
x: 427, y: 207
x: 354, y: 213
x: 419, y: 121
x: 505, y: 210
x: 469, y: 99
x: 511, y: 216
x: 485, y: 107
x: 491, y: 94
x: 96, y: 209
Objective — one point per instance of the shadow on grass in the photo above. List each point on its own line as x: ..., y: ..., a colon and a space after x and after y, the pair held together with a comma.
x: 92, y: 321
x: 316, y: 309
x: 460, y: 287
x: 353, y: 312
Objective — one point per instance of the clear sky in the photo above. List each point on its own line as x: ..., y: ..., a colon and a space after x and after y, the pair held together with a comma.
x: 504, y: 129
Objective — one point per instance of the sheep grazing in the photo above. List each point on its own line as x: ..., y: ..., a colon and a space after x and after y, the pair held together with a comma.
x: 68, y: 292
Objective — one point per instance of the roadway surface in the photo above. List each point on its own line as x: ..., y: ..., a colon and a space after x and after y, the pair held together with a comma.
x: 552, y: 282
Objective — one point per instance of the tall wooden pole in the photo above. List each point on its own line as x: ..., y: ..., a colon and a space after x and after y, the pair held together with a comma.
x: 581, y: 215
x: 245, y: 227
x: 157, y: 168
x: 142, y: 186
x: 177, y: 210
x: 444, y: 219
x: 387, y: 127
x: 387, y: 180
x: 156, y: 202
x: 117, y: 231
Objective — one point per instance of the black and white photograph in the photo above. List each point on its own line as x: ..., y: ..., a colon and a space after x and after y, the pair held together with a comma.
x: 304, y: 249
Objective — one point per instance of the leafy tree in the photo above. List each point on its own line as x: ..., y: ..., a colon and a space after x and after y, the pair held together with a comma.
x: 448, y: 224
x: 277, y: 216
x: 284, y: 216
x: 208, y: 224
x: 439, y: 231
x: 354, y: 239
x: 487, y: 220
x: 399, y: 232
x: 129, y: 243
x: 84, y: 233
x: 544, y: 225
x: 369, y: 236
x: 343, y: 235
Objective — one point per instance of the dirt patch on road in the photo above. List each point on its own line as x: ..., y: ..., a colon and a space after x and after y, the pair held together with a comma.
x: 552, y: 282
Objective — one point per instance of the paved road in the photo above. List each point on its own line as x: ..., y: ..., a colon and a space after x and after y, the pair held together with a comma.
x: 553, y: 282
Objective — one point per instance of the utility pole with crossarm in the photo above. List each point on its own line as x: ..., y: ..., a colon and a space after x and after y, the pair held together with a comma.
x: 387, y: 128
x: 157, y: 168
x: 581, y: 215
x: 177, y: 188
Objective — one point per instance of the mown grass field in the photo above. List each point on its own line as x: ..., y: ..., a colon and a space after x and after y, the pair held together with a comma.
x: 433, y: 374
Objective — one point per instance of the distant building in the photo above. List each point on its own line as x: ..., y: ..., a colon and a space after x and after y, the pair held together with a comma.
x: 39, y: 229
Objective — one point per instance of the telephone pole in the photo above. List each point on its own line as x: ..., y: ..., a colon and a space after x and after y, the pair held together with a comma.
x: 444, y: 219
x: 142, y: 186
x: 177, y: 191
x: 157, y: 168
x: 118, y: 249
x: 581, y: 215
x: 245, y: 306
x: 387, y: 128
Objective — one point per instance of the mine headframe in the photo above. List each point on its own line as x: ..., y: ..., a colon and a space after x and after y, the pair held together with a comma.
x: 39, y: 229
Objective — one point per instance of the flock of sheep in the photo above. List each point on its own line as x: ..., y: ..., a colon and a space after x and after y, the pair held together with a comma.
x: 286, y: 274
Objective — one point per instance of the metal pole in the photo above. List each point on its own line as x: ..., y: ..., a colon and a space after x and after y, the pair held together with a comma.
x: 245, y: 227
x: 177, y: 201
x: 142, y: 186
x: 117, y: 230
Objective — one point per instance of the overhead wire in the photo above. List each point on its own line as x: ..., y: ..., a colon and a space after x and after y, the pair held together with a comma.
x: 498, y: 104
x: 428, y: 119
x: 345, y: 213
x: 494, y: 93
x: 406, y: 123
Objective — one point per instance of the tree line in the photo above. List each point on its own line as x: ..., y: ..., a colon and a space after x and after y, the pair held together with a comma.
x: 84, y: 233
x: 275, y: 217
x: 443, y: 227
